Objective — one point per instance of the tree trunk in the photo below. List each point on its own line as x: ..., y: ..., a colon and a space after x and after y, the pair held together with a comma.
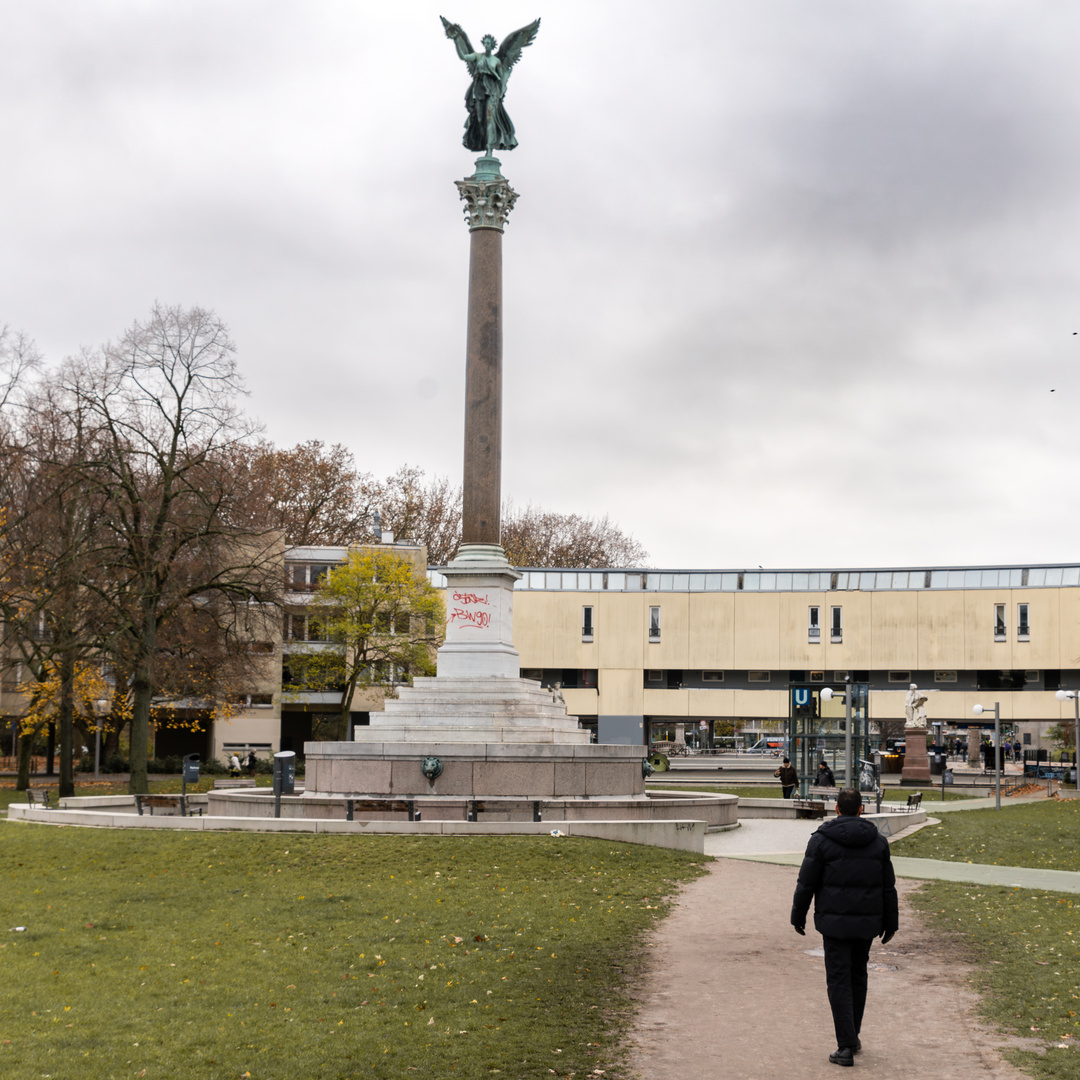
x: 50, y: 748
x: 142, y: 692
x: 140, y: 733
x: 26, y: 746
x: 67, y: 711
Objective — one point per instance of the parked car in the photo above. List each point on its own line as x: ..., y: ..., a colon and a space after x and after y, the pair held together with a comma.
x: 767, y: 746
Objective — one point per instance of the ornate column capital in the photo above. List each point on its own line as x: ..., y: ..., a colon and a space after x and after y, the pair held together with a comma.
x: 487, y: 202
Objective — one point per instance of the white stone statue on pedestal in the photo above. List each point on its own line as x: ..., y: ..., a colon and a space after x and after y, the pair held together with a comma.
x: 915, y: 707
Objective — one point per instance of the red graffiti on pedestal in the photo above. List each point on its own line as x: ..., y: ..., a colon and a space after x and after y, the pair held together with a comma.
x: 469, y: 611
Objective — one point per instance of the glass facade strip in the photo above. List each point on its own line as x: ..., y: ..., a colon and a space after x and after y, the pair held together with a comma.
x: 792, y: 581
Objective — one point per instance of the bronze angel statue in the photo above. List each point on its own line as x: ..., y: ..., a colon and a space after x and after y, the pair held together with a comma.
x: 488, y: 127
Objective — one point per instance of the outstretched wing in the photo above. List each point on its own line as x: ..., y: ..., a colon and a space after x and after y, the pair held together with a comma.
x: 461, y: 40
x: 510, y: 49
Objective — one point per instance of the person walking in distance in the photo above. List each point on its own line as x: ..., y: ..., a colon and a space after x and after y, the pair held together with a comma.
x: 788, y: 777
x: 848, y: 874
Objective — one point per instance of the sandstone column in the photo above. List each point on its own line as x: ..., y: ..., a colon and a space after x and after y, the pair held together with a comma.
x: 480, y: 582
x: 488, y: 202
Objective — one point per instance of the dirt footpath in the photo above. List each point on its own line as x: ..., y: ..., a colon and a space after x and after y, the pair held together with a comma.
x: 731, y: 991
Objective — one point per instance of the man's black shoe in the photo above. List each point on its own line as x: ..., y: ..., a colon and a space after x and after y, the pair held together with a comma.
x: 843, y: 1055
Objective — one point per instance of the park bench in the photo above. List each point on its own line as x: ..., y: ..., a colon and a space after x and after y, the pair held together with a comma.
x: 809, y: 808
x: 166, y: 802
x: 913, y: 802
x: 38, y: 797
x: 233, y: 782
x: 482, y: 806
x: 383, y: 806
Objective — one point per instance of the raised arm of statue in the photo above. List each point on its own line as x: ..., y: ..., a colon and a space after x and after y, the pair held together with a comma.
x: 461, y: 42
x: 488, y: 126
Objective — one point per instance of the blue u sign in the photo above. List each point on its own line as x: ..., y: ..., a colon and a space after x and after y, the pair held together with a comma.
x: 800, y: 697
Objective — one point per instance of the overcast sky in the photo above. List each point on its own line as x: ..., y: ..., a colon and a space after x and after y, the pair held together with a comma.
x: 789, y: 282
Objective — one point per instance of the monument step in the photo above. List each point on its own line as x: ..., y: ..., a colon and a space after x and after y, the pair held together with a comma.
x: 474, y: 718
x: 426, y: 734
x: 494, y: 706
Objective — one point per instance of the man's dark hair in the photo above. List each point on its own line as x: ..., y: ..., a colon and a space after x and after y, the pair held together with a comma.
x: 848, y: 801
x: 787, y: 761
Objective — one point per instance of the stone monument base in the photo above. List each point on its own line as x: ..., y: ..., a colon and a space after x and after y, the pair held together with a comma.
x: 474, y: 770
x: 916, y: 763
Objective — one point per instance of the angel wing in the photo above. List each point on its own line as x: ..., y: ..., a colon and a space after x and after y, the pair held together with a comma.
x: 510, y: 49
x: 461, y: 40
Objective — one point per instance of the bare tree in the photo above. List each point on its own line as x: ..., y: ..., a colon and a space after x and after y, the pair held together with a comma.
x: 535, y: 537
x: 427, y: 511
x: 181, y: 535
x: 313, y: 492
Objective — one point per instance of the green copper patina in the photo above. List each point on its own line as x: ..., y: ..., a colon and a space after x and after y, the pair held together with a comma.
x: 488, y: 127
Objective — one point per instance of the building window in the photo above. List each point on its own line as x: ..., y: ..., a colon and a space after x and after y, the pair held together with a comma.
x: 587, y: 623
x: 814, y: 629
x: 944, y: 676
x: 1023, y: 628
x: 254, y: 701
x: 817, y: 676
x: 303, y: 628
x: 900, y: 676
x: 759, y: 676
x: 999, y: 622
x: 654, y: 676
x: 1031, y: 676
x: 305, y: 577
x: 836, y: 632
x: 654, y: 624
x: 712, y: 676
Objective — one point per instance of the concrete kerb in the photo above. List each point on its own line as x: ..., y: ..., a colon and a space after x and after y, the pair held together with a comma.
x: 681, y: 835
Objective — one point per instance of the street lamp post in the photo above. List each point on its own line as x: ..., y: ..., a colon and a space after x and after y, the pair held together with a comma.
x: 1064, y: 695
x: 101, y: 705
x: 978, y: 710
x: 827, y: 695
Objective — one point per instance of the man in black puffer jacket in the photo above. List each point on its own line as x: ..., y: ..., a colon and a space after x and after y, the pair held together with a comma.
x: 848, y: 872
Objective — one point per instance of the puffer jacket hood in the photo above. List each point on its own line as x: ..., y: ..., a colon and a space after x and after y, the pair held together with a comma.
x: 850, y: 831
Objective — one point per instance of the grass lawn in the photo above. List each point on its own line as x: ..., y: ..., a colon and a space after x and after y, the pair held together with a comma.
x: 187, y: 955
x: 1027, y: 947
x: 1042, y: 835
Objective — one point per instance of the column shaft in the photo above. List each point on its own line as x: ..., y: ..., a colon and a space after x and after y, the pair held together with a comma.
x: 480, y: 522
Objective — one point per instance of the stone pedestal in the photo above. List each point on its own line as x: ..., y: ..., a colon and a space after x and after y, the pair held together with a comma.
x: 479, y: 616
x: 916, y: 764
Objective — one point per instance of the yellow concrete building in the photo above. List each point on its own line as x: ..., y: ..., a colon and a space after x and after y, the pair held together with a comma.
x: 640, y: 651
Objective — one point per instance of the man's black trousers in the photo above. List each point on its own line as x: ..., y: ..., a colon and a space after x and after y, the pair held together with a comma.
x: 845, y: 977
